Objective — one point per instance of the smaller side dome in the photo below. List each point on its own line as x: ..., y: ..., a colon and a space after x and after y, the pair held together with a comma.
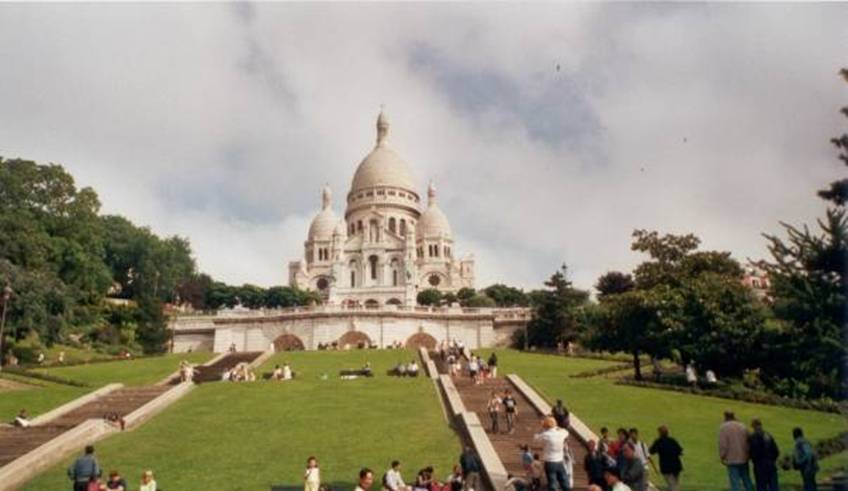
x: 325, y: 221
x: 433, y: 222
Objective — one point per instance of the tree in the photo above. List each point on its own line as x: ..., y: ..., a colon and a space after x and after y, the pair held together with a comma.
x: 614, y: 282
x: 631, y: 322
x: 481, y: 301
x: 556, y: 311
x: 429, y: 296
x: 507, y: 296
x: 463, y: 295
x: 837, y: 193
x: 809, y: 289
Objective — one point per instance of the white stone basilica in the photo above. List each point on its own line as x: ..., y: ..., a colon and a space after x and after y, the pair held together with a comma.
x: 387, y: 247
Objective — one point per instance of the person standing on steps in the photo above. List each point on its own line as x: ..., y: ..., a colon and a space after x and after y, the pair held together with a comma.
x: 84, y: 469
x: 471, y: 467
x: 511, y: 410
x: 553, y: 441
x: 560, y: 414
x: 493, y: 365
x: 494, y: 408
x: 764, y: 454
x: 733, y: 452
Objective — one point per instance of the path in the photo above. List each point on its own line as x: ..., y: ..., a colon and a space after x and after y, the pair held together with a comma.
x: 476, y: 397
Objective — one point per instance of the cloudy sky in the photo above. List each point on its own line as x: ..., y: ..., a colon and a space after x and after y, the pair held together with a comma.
x: 551, y: 131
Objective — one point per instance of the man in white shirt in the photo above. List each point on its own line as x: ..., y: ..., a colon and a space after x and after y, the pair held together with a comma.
x: 553, y: 441
x: 393, y: 480
x: 640, y: 449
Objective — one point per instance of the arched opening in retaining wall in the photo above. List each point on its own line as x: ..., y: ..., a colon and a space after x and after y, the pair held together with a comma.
x: 421, y: 340
x: 393, y: 301
x: 354, y: 339
x: 288, y: 342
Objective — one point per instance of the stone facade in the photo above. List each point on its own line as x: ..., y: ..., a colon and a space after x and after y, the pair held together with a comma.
x: 386, y: 247
x: 384, y: 326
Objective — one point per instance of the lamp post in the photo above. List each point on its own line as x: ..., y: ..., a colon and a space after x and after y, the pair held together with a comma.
x: 7, y: 294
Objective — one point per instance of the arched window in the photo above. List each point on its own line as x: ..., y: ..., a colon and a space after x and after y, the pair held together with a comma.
x: 352, y: 229
x: 392, y: 225
x: 403, y: 227
x: 394, y: 278
x: 352, y: 279
x: 373, y: 261
x: 359, y: 226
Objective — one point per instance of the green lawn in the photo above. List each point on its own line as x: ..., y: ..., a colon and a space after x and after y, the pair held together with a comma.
x: 693, y: 420
x: 36, y: 400
x: 226, y: 436
x: 139, y: 371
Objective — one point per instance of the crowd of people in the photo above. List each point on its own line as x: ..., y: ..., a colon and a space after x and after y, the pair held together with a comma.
x: 739, y: 447
x: 410, y: 369
x: 239, y: 373
x: 465, y: 476
x: 86, y: 475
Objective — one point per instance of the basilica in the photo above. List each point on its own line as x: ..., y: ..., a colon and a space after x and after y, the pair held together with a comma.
x: 388, y: 246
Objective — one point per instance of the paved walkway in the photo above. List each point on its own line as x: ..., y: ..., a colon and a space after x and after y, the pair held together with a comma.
x: 476, y: 397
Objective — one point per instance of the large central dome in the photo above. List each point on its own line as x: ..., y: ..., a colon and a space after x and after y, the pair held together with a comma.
x: 382, y: 167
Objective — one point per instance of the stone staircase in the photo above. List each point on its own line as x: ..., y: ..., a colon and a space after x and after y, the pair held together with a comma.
x: 15, y: 442
x: 476, y: 398
x: 212, y: 373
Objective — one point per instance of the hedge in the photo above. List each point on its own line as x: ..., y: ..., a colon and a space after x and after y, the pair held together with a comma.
x: 602, y: 371
x: 747, y: 395
x: 43, y: 376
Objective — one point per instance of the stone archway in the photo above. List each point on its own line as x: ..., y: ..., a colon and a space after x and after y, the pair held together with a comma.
x: 421, y: 340
x: 288, y: 342
x: 354, y: 339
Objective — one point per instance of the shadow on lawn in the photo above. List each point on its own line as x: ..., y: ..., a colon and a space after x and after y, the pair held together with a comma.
x: 333, y: 486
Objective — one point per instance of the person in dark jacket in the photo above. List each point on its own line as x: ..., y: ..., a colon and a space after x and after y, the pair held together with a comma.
x: 560, y: 414
x: 804, y: 459
x: 84, y: 469
x: 594, y: 464
x: 471, y: 467
x: 633, y: 472
x: 764, y: 453
x: 669, y: 452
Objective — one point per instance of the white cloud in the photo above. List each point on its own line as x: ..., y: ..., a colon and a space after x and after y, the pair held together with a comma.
x: 221, y: 123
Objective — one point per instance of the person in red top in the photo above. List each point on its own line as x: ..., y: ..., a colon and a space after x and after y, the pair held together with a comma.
x: 615, y: 447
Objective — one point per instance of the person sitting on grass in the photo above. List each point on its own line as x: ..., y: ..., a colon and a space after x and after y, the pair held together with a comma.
x: 454, y: 481
x: 116, y: 482
x: 412, y: 369
x: 287, y: 372
x: 366, y: 479
x: 392, y: 480
x: 366, y: 369
x: 22, y: 419
x: 147, y: 481
x: 424, y: 480
x: 277, y: 374
x: 312, y: 476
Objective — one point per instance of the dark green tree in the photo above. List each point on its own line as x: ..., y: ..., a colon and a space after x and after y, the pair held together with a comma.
x: 507, y: 296
x: 614, y: 282
x: 557, y: 312
x: 429, y: 296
